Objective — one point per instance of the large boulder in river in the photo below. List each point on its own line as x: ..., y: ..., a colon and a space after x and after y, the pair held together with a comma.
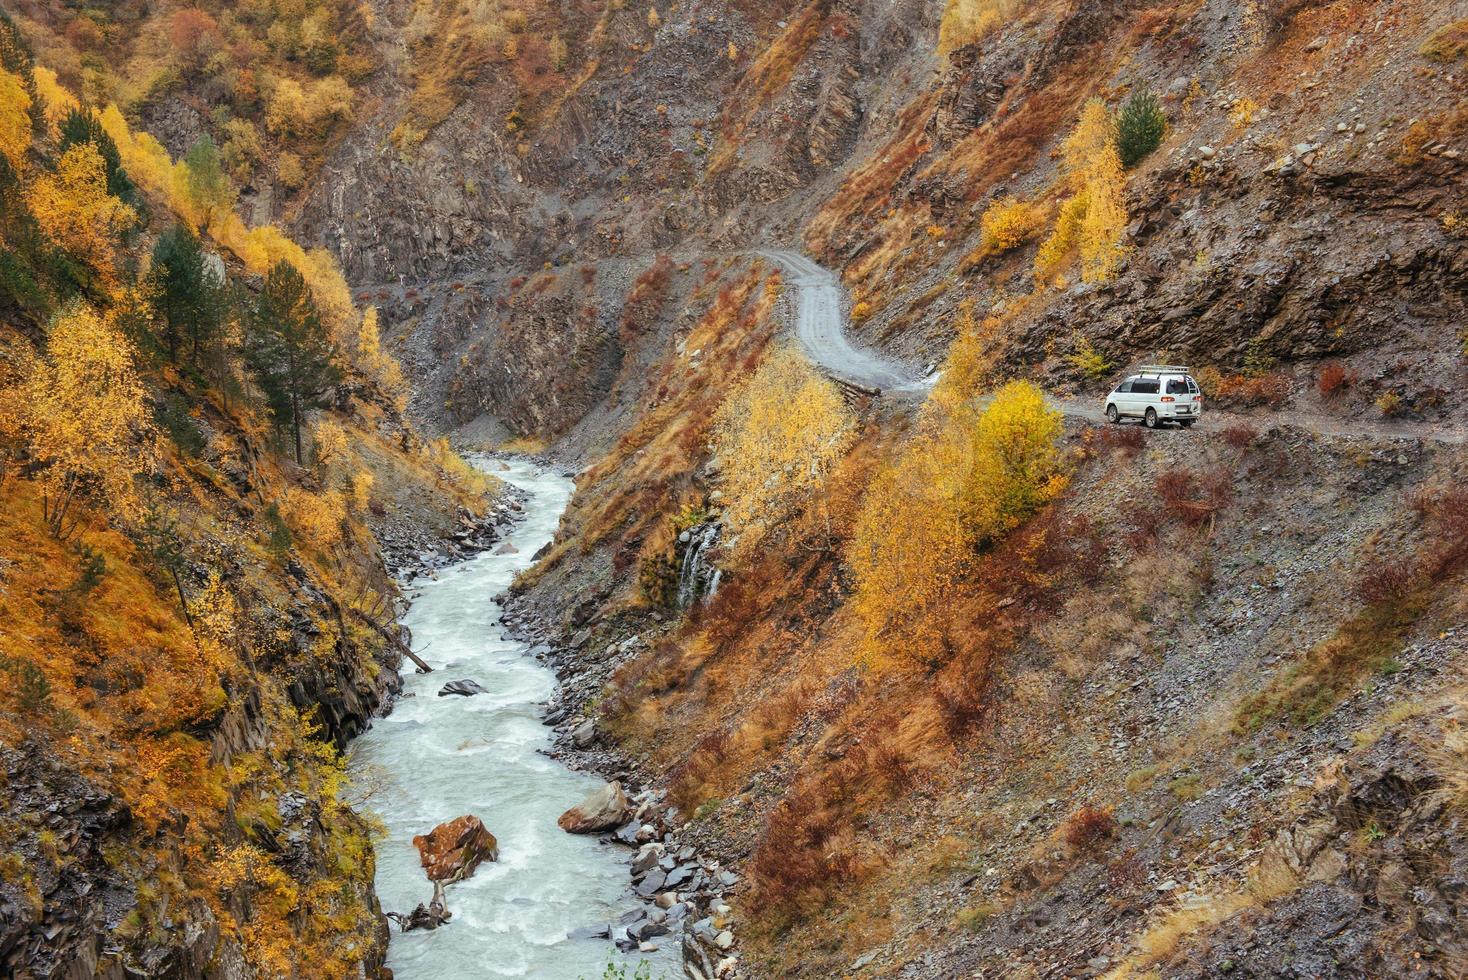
x: 465, y: 688
x: 608, y: 807
x: 451, y: 851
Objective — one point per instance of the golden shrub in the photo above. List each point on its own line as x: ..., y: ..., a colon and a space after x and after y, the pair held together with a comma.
x: 315, y: 518
x: 967, y: 21
x: 1008, y: 223
x: 15, y: 120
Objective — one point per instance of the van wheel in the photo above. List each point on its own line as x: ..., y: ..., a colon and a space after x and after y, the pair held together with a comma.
x: 1112, y: 415
x: 1151, y: 418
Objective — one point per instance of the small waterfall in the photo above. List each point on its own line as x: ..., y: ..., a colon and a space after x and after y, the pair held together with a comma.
x: 697, y: 576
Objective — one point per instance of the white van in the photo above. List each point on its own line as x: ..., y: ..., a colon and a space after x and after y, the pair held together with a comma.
x: 1155, y: 394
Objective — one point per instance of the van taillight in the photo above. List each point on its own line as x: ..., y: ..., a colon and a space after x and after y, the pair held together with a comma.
x: 1168, y: 398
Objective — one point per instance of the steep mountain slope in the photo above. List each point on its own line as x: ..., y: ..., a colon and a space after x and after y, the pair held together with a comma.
x: 206, y: 471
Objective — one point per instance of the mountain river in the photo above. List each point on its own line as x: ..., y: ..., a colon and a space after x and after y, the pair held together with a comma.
x: 436, y: 758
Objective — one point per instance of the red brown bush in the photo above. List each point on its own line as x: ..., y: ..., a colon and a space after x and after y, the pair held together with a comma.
x: 1125, y: 438
x: 1240, y: 436
x: 1194, y: 498
x: 1334, y: 378
x: 1386, y: 582
x: 1089, y: 828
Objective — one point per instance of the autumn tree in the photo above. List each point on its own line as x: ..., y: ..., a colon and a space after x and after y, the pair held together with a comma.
x: 74, y: 208
x: 778, y: 435
x: 195, y: 36
x: 85, y: 419
x: 377, y: 363
x: 15, y: 120
x: 188, y: 294
x: 968, y: 476
x: 16, y: 59
x: 289, y: 351
x: 1093, y: 219
x: 82, y: 126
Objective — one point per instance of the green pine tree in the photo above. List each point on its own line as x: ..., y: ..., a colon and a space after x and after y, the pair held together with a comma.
x: 189, y: 298
x: 287, y: 347
x: 1140, y: 127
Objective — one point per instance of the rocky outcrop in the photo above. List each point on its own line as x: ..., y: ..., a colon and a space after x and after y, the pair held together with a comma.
x: 605, y: 809
x: 451, y: 851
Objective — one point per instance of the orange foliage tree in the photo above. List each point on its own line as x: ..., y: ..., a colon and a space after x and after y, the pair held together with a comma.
x: 1093, y: 219
x: 967, y: 477
x: 778, y: 435
x: 73, y: 207
x: 84, y: 415
x: 15, y: 119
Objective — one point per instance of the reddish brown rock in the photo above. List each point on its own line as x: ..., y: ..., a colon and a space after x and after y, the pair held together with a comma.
x: 451, y: 851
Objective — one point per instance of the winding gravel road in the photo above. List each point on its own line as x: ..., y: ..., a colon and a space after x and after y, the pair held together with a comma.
x: 818, y: 327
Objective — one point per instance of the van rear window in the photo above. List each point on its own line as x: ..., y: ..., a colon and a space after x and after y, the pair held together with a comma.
x: 1177, y: 386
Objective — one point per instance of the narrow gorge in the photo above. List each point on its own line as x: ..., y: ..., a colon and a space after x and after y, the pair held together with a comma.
x: 586, y: 490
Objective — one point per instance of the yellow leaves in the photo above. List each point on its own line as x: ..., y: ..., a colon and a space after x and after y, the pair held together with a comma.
x: 1058, y: 249
x: 329, y: 442
x: 967, y: 21
x: 1008, y: 223
x: 969, y: 360
x: 84, y: 415
x: 361, y: 492
x: 778, y: 434
x: 1093, y: 219
x: 316, y: 518
x: 301, y: 111
x: 965, y: 479
x: 15, y: 120
x: 56, y: 100
x: 74, y: 208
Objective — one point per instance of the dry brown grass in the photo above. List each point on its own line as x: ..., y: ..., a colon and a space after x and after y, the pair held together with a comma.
x: 767, y: 76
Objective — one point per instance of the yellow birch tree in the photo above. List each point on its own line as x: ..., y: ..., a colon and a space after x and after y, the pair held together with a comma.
x: 15, y: 120
x: 966, y: 478
x: 1092, y: 220
x: 85, y: 419
x: 73, y: 207
x: 778, y: 435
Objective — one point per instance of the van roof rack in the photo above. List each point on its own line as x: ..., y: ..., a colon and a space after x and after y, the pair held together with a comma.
x: 1164, y: 369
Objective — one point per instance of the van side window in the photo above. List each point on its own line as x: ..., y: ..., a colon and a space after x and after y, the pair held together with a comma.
x: 1146, y: 386
x: 1126, y: 386
x: 1177, y: 386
